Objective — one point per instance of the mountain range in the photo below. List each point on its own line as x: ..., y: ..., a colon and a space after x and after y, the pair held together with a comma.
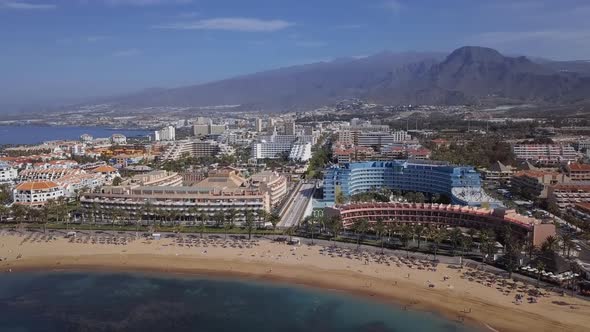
x: 468, y: 75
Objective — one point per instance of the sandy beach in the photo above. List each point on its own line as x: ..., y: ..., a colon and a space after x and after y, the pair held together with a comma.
x: 460, y: 294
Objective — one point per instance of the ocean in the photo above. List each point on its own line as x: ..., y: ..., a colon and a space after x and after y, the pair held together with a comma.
x: 68, y: 301
x: 37, y: 134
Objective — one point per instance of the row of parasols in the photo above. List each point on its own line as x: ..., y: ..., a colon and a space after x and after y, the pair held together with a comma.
x: 557, y: 277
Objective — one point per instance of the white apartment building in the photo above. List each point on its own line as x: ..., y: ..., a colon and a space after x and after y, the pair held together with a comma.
x: 258, y: 125
x: 167, y: 133
x: 37, y: 192
x: 545, y: 154
x: 118, y: 139
x: 197, y: 149
x: 208, y: 129
x: 300, y: 152
x: 7, y: 173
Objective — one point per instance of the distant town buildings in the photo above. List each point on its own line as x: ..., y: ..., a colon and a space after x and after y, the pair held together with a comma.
x: 196, y: 149
x: 167, y: 133
x: 118, y: 139
x: 545, y: 154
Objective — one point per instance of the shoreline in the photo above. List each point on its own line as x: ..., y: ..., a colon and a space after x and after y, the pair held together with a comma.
x: 304, y: 266
x: 238, y: 275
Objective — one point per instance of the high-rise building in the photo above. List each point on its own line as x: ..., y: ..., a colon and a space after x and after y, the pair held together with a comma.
x: 462, y: 184
x: 290, y: 128
x: 258, y: 125
x: 208, y: 129
x: 167, y: 133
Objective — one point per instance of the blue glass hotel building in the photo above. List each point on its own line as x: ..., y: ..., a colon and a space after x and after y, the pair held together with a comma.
x: 462, y: 184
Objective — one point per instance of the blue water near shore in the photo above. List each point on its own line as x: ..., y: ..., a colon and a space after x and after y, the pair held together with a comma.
x: 37, y: 134
x: 139, y: 302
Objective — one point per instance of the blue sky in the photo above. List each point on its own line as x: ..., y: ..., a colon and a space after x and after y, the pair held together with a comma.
x: 54, y: 49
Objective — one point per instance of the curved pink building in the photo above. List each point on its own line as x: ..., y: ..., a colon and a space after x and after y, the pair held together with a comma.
x: 443, y: 215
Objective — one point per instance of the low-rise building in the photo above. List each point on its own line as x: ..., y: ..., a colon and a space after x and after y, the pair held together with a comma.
x: 580, y: 211
x: 534, y: 184
x: 224, y: 191
x: 108, y: 172
x: 578, y: 172
x: 498, y: 172
x: 545, y: 154
x: 196, y: 149
x: 36, y: 193
x: 7, y: 173
x: 443, y: 215
x: 565, y: 195
x: 118, y: 139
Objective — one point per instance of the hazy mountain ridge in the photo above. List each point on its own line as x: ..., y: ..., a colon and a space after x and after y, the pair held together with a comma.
x: 467, y: 75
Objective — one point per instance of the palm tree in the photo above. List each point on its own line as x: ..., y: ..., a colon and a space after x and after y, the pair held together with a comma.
x: 249, y: 223
x: 360, y: 226
x: 274, y: 219
x: 335, y: 225
x: 203, y: 218
x: 438, y: 236
x: 512, y: 246
x: 466, y: 243
x: 455, y: 236
x: 309, y: 223
x: 487, y: 239
x: 406, y: 233
x: 229, y: 222
x: 379, y: 228
x: 567, y: 243
x: 550, y: 244
x: 19, y: 213
x: 419, y: 231
x: 219, y: 218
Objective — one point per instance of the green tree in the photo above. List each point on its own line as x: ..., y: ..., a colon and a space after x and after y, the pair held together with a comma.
x: 438, y: 235
x: 335, y: 226
x: 249, y: 223
x: 274, y: 219
x: 379, y: 229
x: 419, y: 231
x: 455, y: 237
x: 360, y: 227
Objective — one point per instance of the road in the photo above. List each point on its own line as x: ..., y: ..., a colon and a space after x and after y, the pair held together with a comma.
x: 292, y: 215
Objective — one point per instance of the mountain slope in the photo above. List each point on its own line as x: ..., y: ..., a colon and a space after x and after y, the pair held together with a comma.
x: 293, y: 87
x: 467, y: 75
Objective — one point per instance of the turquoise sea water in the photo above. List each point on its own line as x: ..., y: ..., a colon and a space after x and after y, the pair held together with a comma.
x: 37, y: 134
x: 138, y: 302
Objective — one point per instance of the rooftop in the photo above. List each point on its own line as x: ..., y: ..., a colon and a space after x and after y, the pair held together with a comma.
x: 36, y: 185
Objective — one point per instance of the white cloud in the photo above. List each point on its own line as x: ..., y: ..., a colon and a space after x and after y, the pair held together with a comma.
x: 141, y: 2
x: 507, y: 37
x: 230, y: 24
x: 127, y: 52
x: 17, y: 5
